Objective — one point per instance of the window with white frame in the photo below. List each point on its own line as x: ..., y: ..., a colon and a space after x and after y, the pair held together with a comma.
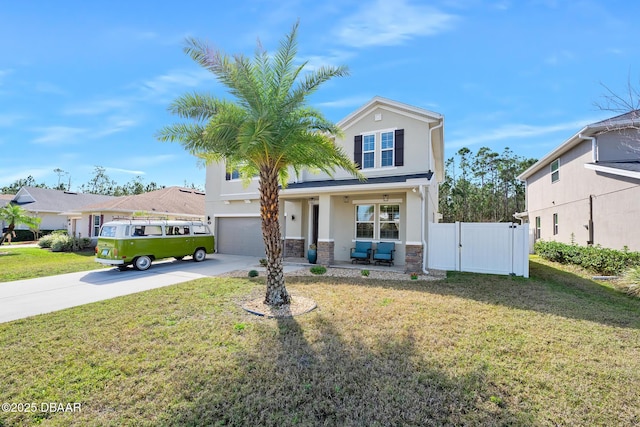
x: 538, y: 228
x: 96, y: 225
x: 386, y: 147
x: 368, y: 151
x: 555, y: 223
x: 365, y: 221
x: 378, y: 221
x: 389, y: 222
x: 555, y: 170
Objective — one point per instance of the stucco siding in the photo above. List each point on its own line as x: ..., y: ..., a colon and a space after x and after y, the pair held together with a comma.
x: 619, y: 146
x: 615, y: 201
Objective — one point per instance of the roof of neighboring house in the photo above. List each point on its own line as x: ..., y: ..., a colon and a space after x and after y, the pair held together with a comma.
x: 5, y: 199
x: 35, y: 199
x: 622, y: 121
x: 628, y: 169
x: 167, y: 201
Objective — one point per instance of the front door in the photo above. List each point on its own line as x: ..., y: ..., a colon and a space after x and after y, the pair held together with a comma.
x: 314, y: 224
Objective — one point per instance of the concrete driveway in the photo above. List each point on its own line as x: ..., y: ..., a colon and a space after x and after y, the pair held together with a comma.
x: 24, y: 298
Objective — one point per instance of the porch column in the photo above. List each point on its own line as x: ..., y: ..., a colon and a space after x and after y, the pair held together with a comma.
x: 325, y: 232
x: 413, y: 224
x: 293, y: 240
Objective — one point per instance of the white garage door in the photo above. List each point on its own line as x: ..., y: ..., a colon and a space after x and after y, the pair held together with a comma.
x: 240, y: 236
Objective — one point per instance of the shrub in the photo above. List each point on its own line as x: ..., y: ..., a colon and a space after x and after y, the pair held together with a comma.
x: 318, y: 269
x: 365, y: 273
x: 253, y: 273
x: 263, y: 262
x: 630, y: 283
x: 61, y: 242
x: 597, y: 259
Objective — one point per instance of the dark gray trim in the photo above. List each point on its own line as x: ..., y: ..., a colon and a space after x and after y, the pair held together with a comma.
x: 377, y: 180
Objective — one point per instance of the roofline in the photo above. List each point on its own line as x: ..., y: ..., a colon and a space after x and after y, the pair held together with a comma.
x: 612, y: 171
x: 583, y: 134
x: 379, y: 99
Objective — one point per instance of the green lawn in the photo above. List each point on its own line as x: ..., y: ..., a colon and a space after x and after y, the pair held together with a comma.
x: 471, y: 350
x: 27, y: 263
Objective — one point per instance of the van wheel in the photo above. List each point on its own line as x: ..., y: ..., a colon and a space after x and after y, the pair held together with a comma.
x: 199, y: 255
x: 142, y: 263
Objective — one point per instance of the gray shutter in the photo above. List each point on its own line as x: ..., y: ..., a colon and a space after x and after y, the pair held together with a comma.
x: 399, y: 147
x: 357, y: 150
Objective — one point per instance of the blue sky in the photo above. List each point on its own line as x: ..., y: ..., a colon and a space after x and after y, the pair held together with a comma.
x: 85, y: 84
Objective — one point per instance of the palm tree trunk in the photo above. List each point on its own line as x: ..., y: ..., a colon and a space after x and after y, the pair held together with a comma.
x: 269, y: 210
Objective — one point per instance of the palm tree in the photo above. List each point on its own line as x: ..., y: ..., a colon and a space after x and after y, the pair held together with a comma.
x: 15, y: 215
x: 268, y: 130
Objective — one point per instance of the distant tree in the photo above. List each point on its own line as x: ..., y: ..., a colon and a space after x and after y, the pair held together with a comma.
x: 267, y: 129
x: 15, y: 215
x: 100, y: 183
x: 18, y: 184
x: 482, y: 187
x: 61, y: 185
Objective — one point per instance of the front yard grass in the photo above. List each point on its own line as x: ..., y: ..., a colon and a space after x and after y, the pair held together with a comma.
x: 28, y: 263
x: 473, y: 349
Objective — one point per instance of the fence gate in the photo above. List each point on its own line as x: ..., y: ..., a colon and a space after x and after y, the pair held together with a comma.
x: 478, y: 247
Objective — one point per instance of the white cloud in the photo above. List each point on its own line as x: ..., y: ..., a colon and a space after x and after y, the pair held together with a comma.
x: 45, y: 87
x: 115, y: 125
x: 128, y: 171
x: 389, y: 23
x: 101, y: 106
x: 352, y: 101
x: 515, y: 131
x: 7, y: 120
x: 59, y: 135
x: 175, y: 79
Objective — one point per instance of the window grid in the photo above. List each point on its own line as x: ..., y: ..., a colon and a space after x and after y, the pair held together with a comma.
x: 555, y: 172
x: 386, y: 227
x: 387, y: 147
x: 368, y: 151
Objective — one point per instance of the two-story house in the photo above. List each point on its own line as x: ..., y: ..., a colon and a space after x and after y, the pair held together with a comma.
x: 587, y: 190
x: 400, y: 150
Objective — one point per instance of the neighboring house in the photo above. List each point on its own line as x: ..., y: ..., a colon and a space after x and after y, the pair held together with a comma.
x: 5, y: 199
x: 400, y: 149
x: 169, y: 203
x: 49, y: 205
x: 587, y: 190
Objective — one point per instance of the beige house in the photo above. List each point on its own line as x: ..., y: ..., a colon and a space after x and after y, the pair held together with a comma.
x: 587, y: 190
x: 168, y: 203
x: 50, y: 206
x: 400, y: 149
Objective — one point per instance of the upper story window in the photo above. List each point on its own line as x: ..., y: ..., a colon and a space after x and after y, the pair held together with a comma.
x: 386, y: 148
x: 368, y: 151
x: 555, y: 170
x: 389, y: 152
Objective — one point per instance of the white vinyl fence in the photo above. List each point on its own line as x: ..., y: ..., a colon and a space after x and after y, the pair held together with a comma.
x: 478, y: 247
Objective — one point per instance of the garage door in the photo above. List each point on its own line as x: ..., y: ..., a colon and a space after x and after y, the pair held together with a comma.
x: 240, y: 236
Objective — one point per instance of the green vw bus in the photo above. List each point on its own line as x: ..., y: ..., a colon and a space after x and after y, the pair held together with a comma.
x: 138, y: 242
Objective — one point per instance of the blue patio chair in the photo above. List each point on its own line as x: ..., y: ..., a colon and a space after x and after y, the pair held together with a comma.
x: 361, y: 253
x: 384, y: 253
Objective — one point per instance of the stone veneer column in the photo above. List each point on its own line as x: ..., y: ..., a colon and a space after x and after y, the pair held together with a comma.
x: 325, y: 252
x: 413, y: 258
x: 294, y: 248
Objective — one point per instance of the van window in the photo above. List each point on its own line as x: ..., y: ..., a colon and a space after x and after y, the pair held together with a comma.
x: 200, y: 229
x: 147, y: 230
x: 108, y: 231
